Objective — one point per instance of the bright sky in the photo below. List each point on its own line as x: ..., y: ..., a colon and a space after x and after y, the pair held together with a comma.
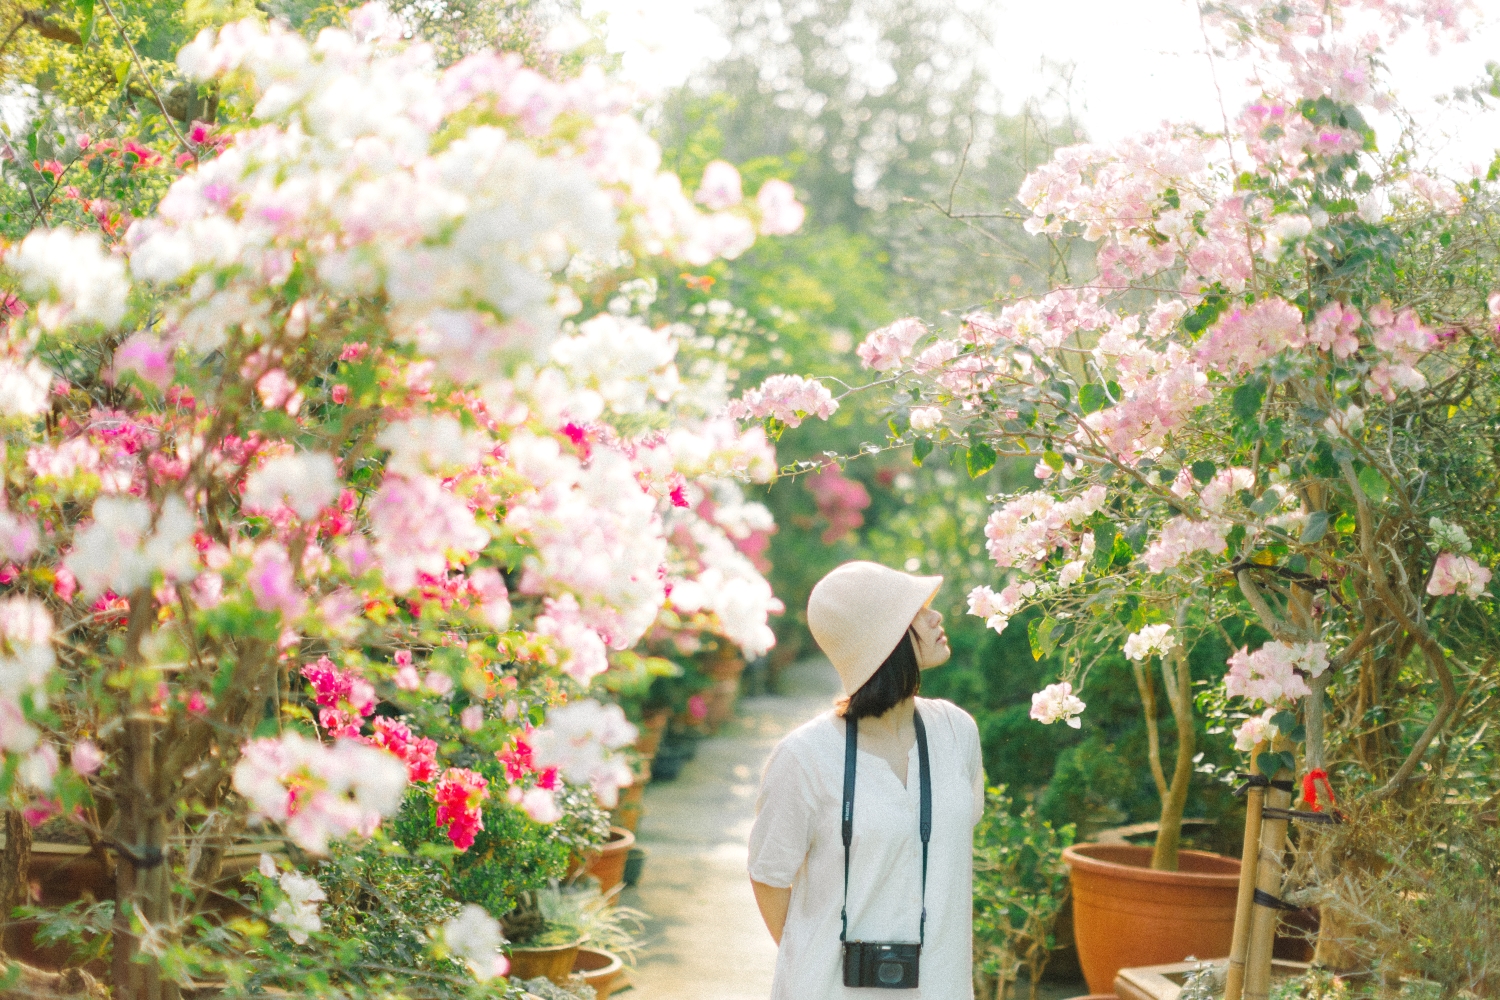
x: 1136, y: 63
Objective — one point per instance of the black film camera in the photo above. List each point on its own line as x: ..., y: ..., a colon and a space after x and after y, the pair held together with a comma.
x: 882, y: 966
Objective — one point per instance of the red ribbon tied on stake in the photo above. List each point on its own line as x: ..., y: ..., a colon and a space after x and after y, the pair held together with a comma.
x: 1310, y: 788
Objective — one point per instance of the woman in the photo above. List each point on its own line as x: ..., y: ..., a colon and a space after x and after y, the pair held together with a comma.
x: 874, y: 624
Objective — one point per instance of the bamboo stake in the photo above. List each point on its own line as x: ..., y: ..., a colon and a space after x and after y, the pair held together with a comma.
x: 1269, y: 871
x: 1234, y: 983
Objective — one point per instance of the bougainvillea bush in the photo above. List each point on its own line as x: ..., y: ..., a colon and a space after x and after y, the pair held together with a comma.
x: 1273, y: 405
x: 351, y: 465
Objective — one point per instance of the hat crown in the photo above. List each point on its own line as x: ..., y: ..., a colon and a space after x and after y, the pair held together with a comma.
x: 859, y: 612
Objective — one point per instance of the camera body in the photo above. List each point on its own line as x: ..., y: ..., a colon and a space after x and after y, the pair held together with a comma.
x: 880, y: 965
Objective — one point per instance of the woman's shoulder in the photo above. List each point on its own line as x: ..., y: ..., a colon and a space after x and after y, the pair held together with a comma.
x: 810, y: 741
x: 934, y: 709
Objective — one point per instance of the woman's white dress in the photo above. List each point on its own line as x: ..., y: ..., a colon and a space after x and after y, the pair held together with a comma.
x: 797, y: 842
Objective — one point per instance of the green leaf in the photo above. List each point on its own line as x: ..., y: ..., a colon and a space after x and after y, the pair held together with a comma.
x: 981, y: 459
x: 1315, y: 529
x: 1104, y: 545
x: 1092, y: 397
x: 1268, y: 502
x: 920, y: 449
x: 1284, y: 721
x: 1053, y: 460
x: 1373, y: 483
x: 1247, y: 399
x: 1204, y: 470
x: 86, y: 8
x: 1043, y: 636
x: 1345, y: 524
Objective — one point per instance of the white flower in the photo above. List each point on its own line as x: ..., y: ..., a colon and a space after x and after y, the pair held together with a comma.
x: 424, y: 444
x: 925, y: 418
x: 577, y: 740
x: 474, y: 938
x: 1449, y: 537
x: 24, y: 388
x: 1056, y: 702
x: 77, y: 279
x: 307, y: 481
x: 119, y: 552
x: 1156, y: 639
x: 1375, y: 206
x: 298, y: 913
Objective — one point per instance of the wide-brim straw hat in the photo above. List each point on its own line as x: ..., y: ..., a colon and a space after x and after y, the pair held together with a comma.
x: 860, y: 611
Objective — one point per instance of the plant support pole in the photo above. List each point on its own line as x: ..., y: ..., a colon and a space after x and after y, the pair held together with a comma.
x: 1234, y: 983
x: 1268, y: 881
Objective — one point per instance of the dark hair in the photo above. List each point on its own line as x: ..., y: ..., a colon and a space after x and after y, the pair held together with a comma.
x: 899, y: 678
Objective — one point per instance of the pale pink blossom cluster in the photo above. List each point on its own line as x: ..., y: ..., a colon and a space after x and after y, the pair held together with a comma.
x: 1161, y: 390
x: 996, y: 609
x: 1057, y: 703
x: 1276, y: 672
x: 887, y: 347
x: 787, y: 398
x: 1246, y: 336
x: 579, y: 740
x: 1255, y: 730
x: 473, y: 937
x: 419, y: 526
x: 1457, y: 574
x: 585, y: 656
x: 1180, y: 538
x: 1026, y: 531
x: 593, y: 533
x: 306, y: 482
x: 26, y: 660
x: 319, y: 793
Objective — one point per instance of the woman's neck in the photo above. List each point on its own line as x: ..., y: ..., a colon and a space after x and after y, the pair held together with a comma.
x: 896, y: 719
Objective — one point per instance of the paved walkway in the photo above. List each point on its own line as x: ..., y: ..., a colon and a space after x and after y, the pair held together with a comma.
x: 705, y: 933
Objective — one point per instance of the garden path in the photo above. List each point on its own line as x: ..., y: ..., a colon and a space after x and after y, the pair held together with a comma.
x: 706, y: 939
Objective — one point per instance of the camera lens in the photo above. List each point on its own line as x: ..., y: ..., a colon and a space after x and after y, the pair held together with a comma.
x: 889, y: 972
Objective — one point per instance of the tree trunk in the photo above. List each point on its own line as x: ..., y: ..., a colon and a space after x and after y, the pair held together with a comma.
x: 1177, y: 678
x: 15, y: 871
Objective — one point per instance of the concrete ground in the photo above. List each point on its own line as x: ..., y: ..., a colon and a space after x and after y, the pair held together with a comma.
x: 705, y: 938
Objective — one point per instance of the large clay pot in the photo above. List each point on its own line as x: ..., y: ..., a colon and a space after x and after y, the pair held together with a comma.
x: 554, y: 962
x: 1126, y: 915
x: 608, y: 866
x: 599, y: 969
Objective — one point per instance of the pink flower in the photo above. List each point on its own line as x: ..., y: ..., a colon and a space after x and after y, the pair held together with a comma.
x: 417, y: 523
x: 64, y: 584
x: 720, y: 188
x: 472, y: 718
x: 697, y: 707
x: 787, y: 398
x: 148, y: 357
x: 86, y: 757
x: 888, y: 346
x: 1274, y: 674
x: 278, y: 392
x: 318, y: 792
x: 1057, y: 703
x: 459, y: 795
x: 1333, y: 330
x: 541, y: 805
x: 1254, y: 730
x: 780, y: 212
x: 1453, y: 574
x: 344, y: 697
x: 563, y: 622
x: 840, y: 500
x: 272, y: 582
x: 420, y: 755
x: 437, y: 682
x: 578, y: 739
x: 1180, y: 538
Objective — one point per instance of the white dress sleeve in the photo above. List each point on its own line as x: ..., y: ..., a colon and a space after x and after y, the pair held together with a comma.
x: 784, y: 818
x: 976, y: 761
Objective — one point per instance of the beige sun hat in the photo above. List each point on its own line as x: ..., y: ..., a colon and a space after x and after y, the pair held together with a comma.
x: 858, y: 613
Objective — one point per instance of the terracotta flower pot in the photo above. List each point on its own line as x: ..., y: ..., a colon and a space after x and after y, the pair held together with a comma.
x: 554, y: 962
x: 1126, y: 915
x: 608, y: 866
x: 599, y: 969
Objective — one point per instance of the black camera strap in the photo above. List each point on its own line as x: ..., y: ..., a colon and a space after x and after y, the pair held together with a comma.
x: 924, y: 821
